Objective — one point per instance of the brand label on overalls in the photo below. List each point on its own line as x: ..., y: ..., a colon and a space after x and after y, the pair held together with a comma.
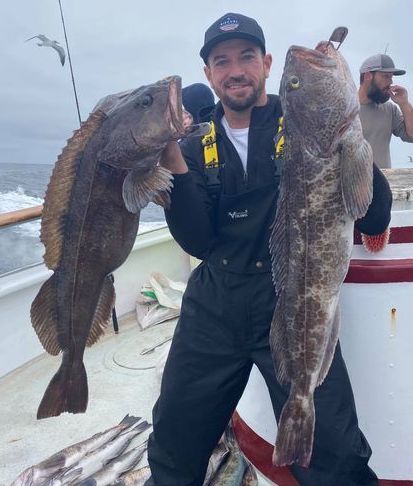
x: 238, y: 214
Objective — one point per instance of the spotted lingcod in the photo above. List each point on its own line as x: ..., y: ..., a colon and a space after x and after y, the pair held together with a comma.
x: 326, y: 185
x: 107, y: 172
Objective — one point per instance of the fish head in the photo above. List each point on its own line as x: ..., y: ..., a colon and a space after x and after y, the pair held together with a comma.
x: 318, y: 96
x: 140, y: 123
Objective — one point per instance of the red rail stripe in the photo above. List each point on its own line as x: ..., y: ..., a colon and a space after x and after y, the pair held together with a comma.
x: 398, y: 234
x: 380, y: 271
x: 259, y: 452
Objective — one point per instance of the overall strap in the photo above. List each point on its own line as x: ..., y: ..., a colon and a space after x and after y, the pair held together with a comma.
x: 211, y: 162
x: 211, y: 159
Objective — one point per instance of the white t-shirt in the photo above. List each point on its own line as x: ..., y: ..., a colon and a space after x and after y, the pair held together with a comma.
x: 239, y: 139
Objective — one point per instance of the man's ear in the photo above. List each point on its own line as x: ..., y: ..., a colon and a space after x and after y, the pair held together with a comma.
x: 368, y: 76
x: 267, y: 64
x: 207, y: 72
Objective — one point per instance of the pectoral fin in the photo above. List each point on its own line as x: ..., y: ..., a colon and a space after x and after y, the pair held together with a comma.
x: 356, y: 159
x: 138, y: 191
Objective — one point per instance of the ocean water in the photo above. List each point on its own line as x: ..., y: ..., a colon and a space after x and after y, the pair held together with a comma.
x: 23, y: 186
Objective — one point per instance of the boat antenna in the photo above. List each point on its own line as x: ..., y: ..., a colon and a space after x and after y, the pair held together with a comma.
x: 70, y: 63
x: 385, y: 50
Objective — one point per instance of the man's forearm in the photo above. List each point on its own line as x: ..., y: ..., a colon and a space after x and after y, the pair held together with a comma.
x: 407, y: 111
x: 172, y: 159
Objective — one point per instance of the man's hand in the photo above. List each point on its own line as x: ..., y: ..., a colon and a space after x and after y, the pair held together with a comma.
x: 172, y: 159
x: 399, y: 95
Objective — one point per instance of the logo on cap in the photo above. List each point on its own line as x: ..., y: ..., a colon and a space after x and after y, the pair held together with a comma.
x: 228, y: 24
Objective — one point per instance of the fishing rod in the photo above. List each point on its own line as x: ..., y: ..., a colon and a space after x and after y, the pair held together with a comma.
x: 70, y: 63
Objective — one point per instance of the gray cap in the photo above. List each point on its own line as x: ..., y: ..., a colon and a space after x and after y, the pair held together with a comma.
x: 382, y: 63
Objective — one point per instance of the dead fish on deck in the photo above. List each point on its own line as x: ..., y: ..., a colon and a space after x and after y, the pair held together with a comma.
x: 232, y: 470
x: 111, y: 472
x: 326, y: 184
x: 250, y: 477
x: 64, y: 459
x: 107, y: 172
x: 218, y: 457
x: 231, y: 473
x: 96, y: 460
x: 134, y: 478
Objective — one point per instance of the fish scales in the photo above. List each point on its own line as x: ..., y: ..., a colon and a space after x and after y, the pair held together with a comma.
x: 105, y: 175
x: 326, y: 185
x: 42, y: 473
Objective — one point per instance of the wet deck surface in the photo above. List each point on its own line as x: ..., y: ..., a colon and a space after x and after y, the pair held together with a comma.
x: 114, y: 391
x: 121, y: 381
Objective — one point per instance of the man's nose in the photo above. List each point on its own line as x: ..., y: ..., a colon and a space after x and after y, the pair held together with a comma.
x: 237, y: 70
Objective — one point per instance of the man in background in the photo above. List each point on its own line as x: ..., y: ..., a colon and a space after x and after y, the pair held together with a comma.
x: 380, y: 118
x: 198, y: 100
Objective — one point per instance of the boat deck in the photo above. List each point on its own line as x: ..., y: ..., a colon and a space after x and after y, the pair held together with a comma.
x: 121, y: 381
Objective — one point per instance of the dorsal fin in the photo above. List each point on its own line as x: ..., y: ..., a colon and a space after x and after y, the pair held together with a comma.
x: 57, y: 199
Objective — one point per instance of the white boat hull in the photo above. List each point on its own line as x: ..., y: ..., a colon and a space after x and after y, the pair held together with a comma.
x: 377, y: 344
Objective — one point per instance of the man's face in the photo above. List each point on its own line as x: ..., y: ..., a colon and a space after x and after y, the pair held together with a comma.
x: 236, y: 71
x: 379, y: 88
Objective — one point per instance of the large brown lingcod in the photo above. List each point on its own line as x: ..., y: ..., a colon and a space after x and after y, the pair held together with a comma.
x: 107, y: 172
x: 326, y: 185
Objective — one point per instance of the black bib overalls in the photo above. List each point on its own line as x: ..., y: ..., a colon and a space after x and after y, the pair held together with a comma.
x: 222, y: 331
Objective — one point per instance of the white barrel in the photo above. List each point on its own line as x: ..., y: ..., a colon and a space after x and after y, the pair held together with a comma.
x: 377, y: 344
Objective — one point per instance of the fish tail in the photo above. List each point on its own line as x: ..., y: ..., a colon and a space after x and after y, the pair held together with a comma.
x: 77, y: 394
x: 294, y: 442
x: 67, y: 392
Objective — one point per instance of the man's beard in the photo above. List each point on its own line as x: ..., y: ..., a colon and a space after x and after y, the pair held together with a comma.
x: 245, y: 103
x: 376, y: 94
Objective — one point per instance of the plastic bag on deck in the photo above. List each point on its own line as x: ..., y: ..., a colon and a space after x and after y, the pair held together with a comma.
x: 159, y: 300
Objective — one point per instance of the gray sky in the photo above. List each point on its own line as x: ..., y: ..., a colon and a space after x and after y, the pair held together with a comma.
x: 118, y: 45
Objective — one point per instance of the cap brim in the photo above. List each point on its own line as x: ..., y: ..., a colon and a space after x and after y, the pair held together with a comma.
x: 396, y: 72
x: 206, y: 49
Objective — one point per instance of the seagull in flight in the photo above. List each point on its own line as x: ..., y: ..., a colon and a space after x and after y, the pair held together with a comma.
x: 45, y: 42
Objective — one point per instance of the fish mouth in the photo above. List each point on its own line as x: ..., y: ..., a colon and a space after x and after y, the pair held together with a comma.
x: 174, y: 109
x: 320, y: 57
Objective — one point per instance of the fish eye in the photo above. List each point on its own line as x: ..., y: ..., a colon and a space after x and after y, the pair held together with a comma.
x: 147, y: 100
x: 294, y: 82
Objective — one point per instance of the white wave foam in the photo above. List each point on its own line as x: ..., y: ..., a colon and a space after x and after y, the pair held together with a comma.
x: 18, y: 199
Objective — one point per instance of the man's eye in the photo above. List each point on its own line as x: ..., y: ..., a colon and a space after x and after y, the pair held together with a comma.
x: 146, y: 101
x: 220, y: 62
x: 248, y: 57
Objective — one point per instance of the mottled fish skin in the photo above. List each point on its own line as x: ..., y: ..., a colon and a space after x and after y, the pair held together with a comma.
x: 326, y: 184
x: 250, y: 477
x: 105, y: 175
x: 111, y: 472
x: 96, y: 460
x: 217, y: 459
x: 43, y: 471
x: 232, y: 471
x: 134, y: 478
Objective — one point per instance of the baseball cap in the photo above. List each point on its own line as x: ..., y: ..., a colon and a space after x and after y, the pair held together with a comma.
x: 382, y: 63
x: 232, y: 26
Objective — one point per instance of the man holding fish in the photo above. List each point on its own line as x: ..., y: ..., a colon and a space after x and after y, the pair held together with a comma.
x: 223, y: 205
